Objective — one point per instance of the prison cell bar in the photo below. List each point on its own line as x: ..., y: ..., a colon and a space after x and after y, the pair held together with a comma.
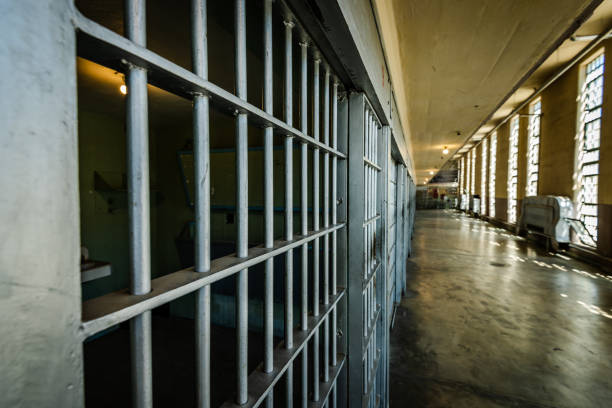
x: 112, y: 50
x: 315, y: 214
x: 180, y: 283
x: 261, y: 383
x: 334, y: 199
x: 139, y: 207
x: 304, y: 214
x: 326, y: 223
x: 289, y: 207
x: 268, y: 365
x: 201, y: 152
x: 242, y: 306
x: 116, y: 307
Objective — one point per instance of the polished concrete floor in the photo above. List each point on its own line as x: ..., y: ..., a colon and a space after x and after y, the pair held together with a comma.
x: 492, y: 321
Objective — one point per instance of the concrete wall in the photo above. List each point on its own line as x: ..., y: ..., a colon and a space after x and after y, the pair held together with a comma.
x: 558, y: 132
x: 522, y: 160
x: 501, y: 173
x: 40, y: 297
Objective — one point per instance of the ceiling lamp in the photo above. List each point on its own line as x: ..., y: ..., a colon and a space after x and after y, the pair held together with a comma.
x: 445, y: 151
x: 431, y: 173
x: 123, y: 89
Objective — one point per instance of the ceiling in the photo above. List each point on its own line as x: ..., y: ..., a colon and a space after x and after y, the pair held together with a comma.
x: 599, y: 22
x: 454, y: 63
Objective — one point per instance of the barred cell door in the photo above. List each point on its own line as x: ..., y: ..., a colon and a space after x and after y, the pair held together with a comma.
x: 398, y: 228
x: 366, y: 336
x: 391, y: 234
x: 310, y: 310
x: 401, y: 231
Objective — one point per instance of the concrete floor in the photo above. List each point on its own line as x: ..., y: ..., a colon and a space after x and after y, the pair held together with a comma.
x: 491, y: 321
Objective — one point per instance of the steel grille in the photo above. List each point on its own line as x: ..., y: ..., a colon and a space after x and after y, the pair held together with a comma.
x: 317, y: 314
x: 493, y: 168
x: 533, y: 148
x: 461, y: 177
x: 483, y: 177
x: 591, y: 100
x: 473, y: 173
x: 468, y: 178
x: 513, y: 169
x: 372, y: 260
x: 367, y: 335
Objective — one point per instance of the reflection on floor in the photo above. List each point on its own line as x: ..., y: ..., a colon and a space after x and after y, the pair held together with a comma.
x: 492, y: 321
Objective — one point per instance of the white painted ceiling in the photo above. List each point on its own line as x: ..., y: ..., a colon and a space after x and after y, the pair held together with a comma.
x: 453, y: 62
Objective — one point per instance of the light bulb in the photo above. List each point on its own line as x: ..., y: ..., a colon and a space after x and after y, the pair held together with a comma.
x: 445, y: 151
x: 123, y: 89
x: 431, y: 173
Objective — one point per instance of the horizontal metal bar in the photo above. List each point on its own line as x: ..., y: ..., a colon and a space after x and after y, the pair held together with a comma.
x: 261, y: 383
x: 257, y: 208
x: 371, y: 220
x: 373, y: 378
x: 372, y: 164
x: 367, y: 280
x: 112, y: 50
x: 366, y: 339
x: 326, y: 387
x: 116, y: 307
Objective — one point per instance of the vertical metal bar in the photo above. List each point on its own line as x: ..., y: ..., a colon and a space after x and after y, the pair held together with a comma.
x: 268, y: 200
x: 242, y: 302
x: 304, y: 208
x: 304, y: 397
x: 326, y: 188
x: 304, y: 182
x: 334, y: 203
x: 139, y: 207
x: 334, y: 397
x: 365, y: 193
x: 289, y: 206
x: 326, y: 224
x: 315, y: 214
x: 201, y: 133
x: 334, y: 192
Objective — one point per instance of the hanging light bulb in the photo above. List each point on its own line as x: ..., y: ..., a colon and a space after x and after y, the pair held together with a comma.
x: 431, y: 173
x: 123, y: 89
x: 445, y: 151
